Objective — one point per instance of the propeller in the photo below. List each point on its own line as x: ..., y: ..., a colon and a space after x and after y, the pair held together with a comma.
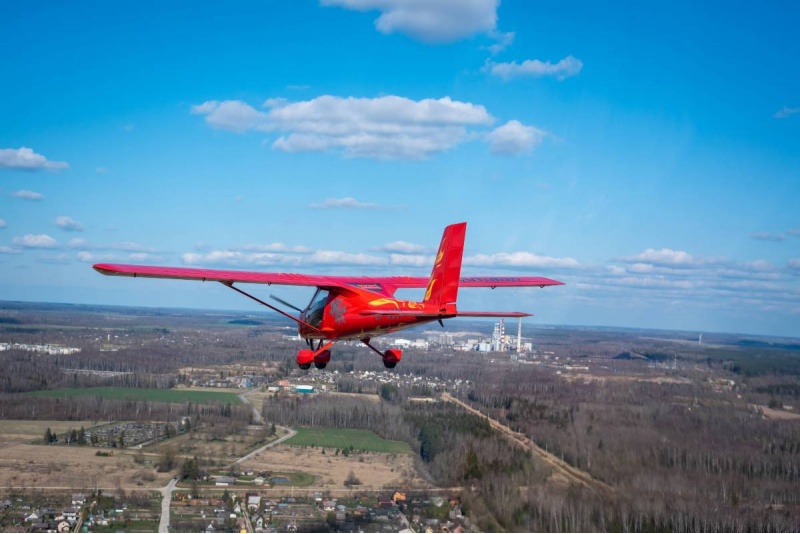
x: 273, y: 297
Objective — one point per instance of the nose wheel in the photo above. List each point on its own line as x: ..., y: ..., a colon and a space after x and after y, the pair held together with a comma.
x: 319, y: 357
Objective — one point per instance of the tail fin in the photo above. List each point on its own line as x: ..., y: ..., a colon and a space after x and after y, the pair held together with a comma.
x: 443, y: 286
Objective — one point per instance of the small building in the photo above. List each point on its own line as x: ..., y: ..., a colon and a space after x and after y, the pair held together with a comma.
x: 302, y: 388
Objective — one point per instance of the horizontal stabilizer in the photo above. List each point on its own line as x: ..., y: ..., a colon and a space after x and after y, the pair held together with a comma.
x: 405, y: 313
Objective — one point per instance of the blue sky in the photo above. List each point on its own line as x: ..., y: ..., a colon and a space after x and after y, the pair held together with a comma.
x: 647, y: 154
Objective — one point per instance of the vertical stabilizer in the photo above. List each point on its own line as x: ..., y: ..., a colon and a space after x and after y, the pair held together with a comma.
x: 443, y: 286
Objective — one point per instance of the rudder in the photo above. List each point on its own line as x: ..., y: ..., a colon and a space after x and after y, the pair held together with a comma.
x: 443, y: 285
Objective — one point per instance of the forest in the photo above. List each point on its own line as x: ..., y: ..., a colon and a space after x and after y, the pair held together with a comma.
x: 687, y: 436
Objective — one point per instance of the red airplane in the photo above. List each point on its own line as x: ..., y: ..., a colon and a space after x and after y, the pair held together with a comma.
x: 358, y: 307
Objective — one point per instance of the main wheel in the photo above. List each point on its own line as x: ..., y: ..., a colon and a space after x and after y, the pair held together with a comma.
x: 305, y: 358
x: 391, y: 357
x: 320, y: 365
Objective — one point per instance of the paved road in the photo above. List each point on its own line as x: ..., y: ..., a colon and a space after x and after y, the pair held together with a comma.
x: 166, y: 493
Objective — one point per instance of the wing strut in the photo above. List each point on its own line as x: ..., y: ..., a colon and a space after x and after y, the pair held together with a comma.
x: 270, y: 306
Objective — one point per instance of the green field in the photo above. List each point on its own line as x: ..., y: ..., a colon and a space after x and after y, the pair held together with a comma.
x: 334, y: 438
x: 155, y: 395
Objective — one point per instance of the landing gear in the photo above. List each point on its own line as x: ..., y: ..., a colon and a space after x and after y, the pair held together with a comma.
x: 304, y: 358
x: 319, y: 357
x: 321, y: 360
x: 390, y: 357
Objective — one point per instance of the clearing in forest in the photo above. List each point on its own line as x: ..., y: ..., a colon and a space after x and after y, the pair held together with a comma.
x: 143, y: 394
x: 344, y: 438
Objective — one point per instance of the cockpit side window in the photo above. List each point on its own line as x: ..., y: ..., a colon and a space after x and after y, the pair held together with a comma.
x: 317, y: 308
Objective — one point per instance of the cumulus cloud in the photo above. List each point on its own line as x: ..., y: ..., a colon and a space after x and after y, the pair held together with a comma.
x: 786, y: 111
x: 10, y: 250
x: 567, y: 67
x: 277, y: 247
x: 238, y: 258
x: 670, y: 258
x: 401, y: 247
x: 411, y: 260
x: 387, y: 127
x: 440, y: 21
x: 24, y: 194
x: 519, y: 259
x: 336, y: 257
x: 346, y: 202
x: 35, y: 241
x: 232, y: 115
x: 514, y: 138
x: 24, y: 158
x: 3, y: 223
x: 68, y: 224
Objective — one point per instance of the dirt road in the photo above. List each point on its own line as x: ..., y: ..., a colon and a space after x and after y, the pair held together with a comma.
x: 573, y: 474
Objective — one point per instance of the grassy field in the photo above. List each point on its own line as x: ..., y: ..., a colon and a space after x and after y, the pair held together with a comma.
x: 156, y: 395
x: 334, y: 438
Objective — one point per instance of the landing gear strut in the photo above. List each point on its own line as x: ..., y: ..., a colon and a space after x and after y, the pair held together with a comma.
x: 390, y: 357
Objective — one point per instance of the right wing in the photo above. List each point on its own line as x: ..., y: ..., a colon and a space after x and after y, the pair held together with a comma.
x: 377, y: 284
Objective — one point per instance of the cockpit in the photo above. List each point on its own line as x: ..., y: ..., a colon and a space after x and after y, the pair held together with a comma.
x: 316, y: 308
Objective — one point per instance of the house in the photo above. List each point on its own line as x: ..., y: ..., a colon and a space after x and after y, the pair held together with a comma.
x: 399, y: 498
x: 329, y: 505
x: 33, y: 517
x: 78, y: 499
x: 253, y: 501
x: 385, y: 501
x: 224, y: 481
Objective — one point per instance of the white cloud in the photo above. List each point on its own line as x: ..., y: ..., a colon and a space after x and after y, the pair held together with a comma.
x: 514, y: 138
x: 439, y: 21
x: 68, y: 224
x: 502, y: 41
x: 401, y: 247
x: 3, y: 224
x: 35, y: 241
x: 767, y: 236
x: 793, y: 231
x: 28, y: 195
x: 670, y: 258
x: 411, y: 260
x: 101, y: 170
x: 77, y: 242
x: 519, y: 259
x: 10, y: 250
x: 232, y: 115
x: 567, y: 67
x: 346, y: 202
x: 277, y: 247
x: 336, y: 257
x: 786, y: 111
x: 236, y: 258
x: 794, y: 265
x: 387, y: 127
x: 26, y: 159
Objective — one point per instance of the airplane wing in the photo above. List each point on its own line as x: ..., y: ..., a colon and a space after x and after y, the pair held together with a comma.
x: 385, y: 284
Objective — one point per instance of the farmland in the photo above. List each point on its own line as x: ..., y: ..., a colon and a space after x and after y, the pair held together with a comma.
x: 143, y: 394
x: 341, y: 438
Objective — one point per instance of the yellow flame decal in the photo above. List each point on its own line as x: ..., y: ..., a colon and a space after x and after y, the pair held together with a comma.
x: 382, y: 302
x: 430, y: 289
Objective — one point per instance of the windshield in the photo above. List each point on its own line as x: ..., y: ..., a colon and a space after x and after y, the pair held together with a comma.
x: 316, y: 308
